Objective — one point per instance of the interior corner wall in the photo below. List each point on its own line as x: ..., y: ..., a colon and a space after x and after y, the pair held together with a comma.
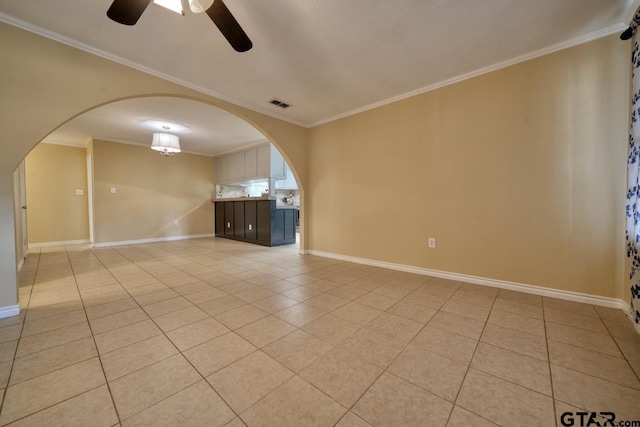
x: 520, y: 175
x: 17, y: 212
x: 55, y: 212
x: 152, y: 193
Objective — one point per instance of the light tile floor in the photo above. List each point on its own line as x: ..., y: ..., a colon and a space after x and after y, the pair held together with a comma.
x: 215, y: 332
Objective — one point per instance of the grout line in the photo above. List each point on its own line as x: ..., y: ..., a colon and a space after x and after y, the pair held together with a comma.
x: 546, y: 343
x: 385, y: 370
x: 195, y: 254
x: 13, y: 360
x: 203, y: 378
x: 455, y: 400
x: 55, y: 404
x: 637, y: 374
x: 104, y: 374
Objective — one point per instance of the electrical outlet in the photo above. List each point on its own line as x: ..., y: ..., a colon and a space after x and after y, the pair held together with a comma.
x: 113, y: 190
x: 432, y: 242
x: 79, y: 192
x: 176, y: 222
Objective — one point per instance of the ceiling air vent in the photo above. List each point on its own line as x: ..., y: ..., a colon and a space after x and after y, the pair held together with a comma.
x: 279, y: 103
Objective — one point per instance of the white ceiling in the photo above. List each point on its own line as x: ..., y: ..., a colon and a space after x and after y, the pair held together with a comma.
x: 327, y: 58
x: 212, y: 130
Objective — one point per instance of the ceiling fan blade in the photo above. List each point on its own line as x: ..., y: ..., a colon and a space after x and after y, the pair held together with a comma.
x: 229, y: 27
x: 127, y: 12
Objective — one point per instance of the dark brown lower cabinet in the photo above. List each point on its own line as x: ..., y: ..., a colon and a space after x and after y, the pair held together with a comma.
x: 219, y: 213
x: 250, y: 220
x: 229, y: 229
x: 238, y: 219
x: 256, y: 221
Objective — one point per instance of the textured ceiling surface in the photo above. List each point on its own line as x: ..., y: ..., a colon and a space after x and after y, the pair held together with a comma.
x: 326, y: 58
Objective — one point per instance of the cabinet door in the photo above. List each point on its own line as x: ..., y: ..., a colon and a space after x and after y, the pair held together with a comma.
x: 278, y: 226
x: 228, y: 219
x: 219, y: 213
x: 250, y: 220
x: 289, y: 183
x: 227, y: 168
x: 250, y: 163
x: 277, y: 163
x: 238, y: 166
x: 263, y: 154
x: 290, y: 224
x: 264, y: 221
x: 218, y: 166
x: 238, y: 219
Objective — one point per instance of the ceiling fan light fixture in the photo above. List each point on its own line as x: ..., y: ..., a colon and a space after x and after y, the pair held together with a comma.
x: 172, y: 5
x: 199, y: 6
x: 166, y: 143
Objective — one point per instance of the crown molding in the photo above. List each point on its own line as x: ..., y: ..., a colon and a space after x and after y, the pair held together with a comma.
x: 242, y: 147
x: 503, y: 64
x: 144, y: 144
x: 115, y: 58
x: 484, y: 70
x: 66, y: 143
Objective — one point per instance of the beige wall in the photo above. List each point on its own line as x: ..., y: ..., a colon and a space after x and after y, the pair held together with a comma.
x: 53, y: 82
x: 17, y: 211
x: 56, y: 213
x: 152, y: 192
x: 519, y: 174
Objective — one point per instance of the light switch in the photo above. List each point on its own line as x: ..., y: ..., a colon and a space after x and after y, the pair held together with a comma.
x: 250, y: 227
x: 113, y: 190
x: 79, y: 192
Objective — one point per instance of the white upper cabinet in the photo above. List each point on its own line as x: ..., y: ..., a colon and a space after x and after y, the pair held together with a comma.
x: 217, y: 170
x: 227, y: 168
x: 263, y: 161
x: 251, y: 163
x: 277, y: 163
x: 289, y: 182
x: 238, y: 166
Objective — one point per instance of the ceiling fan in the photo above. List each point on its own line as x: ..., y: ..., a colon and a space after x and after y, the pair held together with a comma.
x: 127, y: 12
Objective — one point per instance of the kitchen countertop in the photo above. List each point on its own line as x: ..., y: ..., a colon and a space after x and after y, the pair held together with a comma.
x: 243, y: 199
x: 249, y: 199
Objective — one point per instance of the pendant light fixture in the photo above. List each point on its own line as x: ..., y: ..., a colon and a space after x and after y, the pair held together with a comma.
x: 166, y: 143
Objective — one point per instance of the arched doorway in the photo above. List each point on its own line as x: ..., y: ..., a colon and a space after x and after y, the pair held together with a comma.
x: 108, y: 135
x: 48, y: 83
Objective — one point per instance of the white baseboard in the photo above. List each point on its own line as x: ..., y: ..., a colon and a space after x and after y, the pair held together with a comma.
x: 9, y: 311
x: 483, y: 281
x: 152, y: 240
x: 66, y: 242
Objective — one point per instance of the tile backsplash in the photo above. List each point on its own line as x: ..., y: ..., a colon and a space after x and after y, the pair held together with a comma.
x: 235, y: 191
x: 232, y: 191
x: 292, y: 196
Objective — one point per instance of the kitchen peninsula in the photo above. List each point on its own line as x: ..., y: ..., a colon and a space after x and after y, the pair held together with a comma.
x: 257, y: 197
x: 255, y: 220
